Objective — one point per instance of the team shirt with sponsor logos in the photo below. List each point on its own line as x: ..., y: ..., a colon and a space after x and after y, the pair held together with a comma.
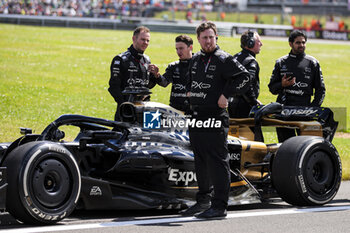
x: 309, y: 80
x: 214, y: 74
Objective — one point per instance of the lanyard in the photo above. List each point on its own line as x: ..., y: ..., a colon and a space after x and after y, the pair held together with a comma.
x: 145, y: 74
x: 140, y: 62
x: 206, y: 64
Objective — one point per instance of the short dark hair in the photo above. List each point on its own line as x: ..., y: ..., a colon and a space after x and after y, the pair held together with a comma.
x: 294, y: 34
x: 140, y: 29
x: 204, y: 26
x: 185, y: 39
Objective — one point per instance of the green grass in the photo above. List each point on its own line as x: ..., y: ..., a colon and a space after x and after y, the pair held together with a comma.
x: 47, y: 72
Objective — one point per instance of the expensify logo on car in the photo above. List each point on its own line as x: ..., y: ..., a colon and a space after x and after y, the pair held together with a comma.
x: 153, y: 120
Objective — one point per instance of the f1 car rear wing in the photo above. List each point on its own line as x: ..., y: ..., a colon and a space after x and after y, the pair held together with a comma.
x: 315, y: 121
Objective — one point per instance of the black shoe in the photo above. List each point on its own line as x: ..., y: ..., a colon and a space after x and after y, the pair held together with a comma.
x: 195, y: 209
x: 213, y: 213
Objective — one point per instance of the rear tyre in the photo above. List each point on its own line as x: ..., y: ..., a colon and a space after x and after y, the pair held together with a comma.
x: 307, y: 171
x: 43, y: 183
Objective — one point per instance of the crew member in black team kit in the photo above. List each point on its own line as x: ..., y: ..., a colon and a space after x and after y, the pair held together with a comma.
x: 239, y: 106
x: 176, y: 73
x: 213, y: 76
x: 295, y: 78
x: 130, y: 69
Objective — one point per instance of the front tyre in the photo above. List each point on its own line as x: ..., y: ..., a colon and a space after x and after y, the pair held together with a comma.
x: 43, y: 183
x: 307, y: 171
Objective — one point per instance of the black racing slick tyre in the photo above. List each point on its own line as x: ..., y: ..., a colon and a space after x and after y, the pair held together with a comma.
x: 307, y: 171
x: 43, y: 183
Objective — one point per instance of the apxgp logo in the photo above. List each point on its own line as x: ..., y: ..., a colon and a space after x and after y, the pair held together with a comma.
x: 200, y: 85
x: 151, y: 120
x: 179, y: 87
x: 300, y: 84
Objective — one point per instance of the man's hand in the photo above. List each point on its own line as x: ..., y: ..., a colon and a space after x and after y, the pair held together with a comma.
x: 154, y: 70
x: 287, y: 81
x: 222, y: 102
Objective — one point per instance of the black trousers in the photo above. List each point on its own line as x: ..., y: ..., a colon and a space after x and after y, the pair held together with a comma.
x: 211, y: 165
x: 284, y: 133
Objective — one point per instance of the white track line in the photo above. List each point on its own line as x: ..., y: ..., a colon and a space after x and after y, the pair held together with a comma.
x: 172, y: 220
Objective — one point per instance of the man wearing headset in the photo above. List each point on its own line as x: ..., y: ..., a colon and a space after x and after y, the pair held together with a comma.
x: 240, y: 105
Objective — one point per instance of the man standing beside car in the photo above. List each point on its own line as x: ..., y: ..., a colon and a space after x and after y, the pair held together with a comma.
x: 213, y: 76
x: 176, y: 73
x: 240, y: 105
x: 295, y: 78
x: 130, y: 69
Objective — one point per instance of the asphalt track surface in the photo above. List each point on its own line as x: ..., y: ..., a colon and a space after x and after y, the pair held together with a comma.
x: 276, y: 216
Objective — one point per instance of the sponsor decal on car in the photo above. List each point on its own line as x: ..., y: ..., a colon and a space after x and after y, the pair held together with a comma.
x: 234, y: 156
x: 302, y: 184
x: 45, y: 216
x: 181, y: 176
x: 307, y: 111
x: 95, y: 191
x: 57, y: 149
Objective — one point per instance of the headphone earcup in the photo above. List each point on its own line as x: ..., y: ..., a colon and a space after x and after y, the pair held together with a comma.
x: 251, y: 42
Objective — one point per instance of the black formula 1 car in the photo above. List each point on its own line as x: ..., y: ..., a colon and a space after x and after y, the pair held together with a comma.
x: 145, y: 161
